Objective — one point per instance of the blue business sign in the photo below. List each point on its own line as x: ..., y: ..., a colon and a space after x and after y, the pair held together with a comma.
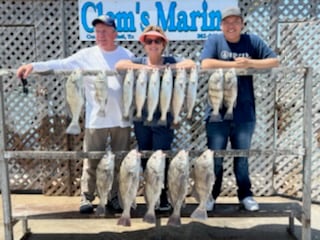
x: 181, y: 19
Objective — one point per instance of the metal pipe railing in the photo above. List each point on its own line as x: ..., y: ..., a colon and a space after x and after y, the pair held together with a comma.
x: 305, y: 150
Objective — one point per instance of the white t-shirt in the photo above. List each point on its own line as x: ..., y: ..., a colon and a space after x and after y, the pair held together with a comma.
x: 94, y: 58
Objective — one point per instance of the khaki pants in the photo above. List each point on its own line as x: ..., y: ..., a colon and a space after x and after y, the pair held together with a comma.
x: 96, y: 140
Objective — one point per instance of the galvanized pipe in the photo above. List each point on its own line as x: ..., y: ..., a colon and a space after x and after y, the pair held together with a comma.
x: 5, y: 189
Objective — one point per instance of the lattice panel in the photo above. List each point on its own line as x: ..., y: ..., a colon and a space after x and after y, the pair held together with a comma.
x: 288, y: 180
x: 35, y: 30
x: 301, y: 43
x: 16, y: 12
x: 301, y: 10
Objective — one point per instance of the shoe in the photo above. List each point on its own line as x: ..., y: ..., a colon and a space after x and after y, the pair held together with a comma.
x: 86, y: 206
x: 210, y: 204
x: 164, y: 207
x: 114, y: 204
x: 250, y: 204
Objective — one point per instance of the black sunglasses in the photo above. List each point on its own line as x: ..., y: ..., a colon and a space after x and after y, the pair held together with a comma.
x: 150, y: 41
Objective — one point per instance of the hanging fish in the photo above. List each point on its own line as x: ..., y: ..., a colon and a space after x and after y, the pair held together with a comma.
x: 104, y: 180
x: 154, y: 183
x: 230, y: 92
x: 127, y: 96
x: 215, y: 94
x: 153, y: 95
x: 192, y: 92
x: 141, y: 92
x: 129, y: 178
x: 165, y: 95
x: 178, y: 182
x: 75, y: 100
x: 101, y: 92
x: 178, y: 95
x: 203, y: 173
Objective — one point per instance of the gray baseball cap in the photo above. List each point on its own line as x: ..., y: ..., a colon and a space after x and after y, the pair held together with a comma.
x: 232, y: 11
x: 105, y: 20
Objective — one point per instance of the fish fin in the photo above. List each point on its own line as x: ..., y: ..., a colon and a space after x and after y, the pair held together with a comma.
x: 149, y: 218
x: 73, y: 129
x: 124, y: 221
x: 200, y: 214
x: 174, y: 220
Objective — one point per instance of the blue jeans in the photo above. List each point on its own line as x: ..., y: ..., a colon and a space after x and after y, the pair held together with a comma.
x: 240, y: 134
x: 153, y: 137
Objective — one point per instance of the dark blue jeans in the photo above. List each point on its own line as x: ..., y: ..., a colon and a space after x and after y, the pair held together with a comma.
x: 153, y: 137
x: 239, y: 134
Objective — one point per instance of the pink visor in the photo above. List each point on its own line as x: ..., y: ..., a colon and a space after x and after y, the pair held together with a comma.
x: 154, y: 34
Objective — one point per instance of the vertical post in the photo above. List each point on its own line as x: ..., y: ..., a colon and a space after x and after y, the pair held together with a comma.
x: 5, y: 190
x: 307, y: 144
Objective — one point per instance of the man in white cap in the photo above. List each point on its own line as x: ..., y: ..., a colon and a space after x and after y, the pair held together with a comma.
x: 232, y: 49
x: 103, y: 56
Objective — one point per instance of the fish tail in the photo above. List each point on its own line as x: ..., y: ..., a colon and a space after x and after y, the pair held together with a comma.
x: 200, y: 214
x: 215, y: 118
x: 125, y: 118
x: 149, y: 218
x: 147, y: 123
x: 174, y: 220
x: 138, y: 116
x: 101, y: 113
x: 137, y: 119
x: 189, y: 115
x: 175, y: 125
x: 162, y: 122
x: 101, y: 210
x: 228, y: 116
x: 124, y: 221
x: 73, y: 129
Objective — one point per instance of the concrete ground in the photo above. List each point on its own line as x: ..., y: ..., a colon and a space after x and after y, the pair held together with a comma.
x: 53, y: 226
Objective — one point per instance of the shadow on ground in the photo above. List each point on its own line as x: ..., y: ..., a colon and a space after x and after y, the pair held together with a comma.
x: 191, y: 231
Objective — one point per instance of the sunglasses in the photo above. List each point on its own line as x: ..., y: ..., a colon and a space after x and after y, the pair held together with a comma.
x: 156, y: 41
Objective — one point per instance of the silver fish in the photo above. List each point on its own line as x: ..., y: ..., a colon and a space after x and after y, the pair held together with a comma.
x: 104, y: 180
x: 101, y: 92
x: 75, y: 100
x: 154, y: 183
x: 178, y: 95
x: 129, y: 177
x: 192, y: 92
x: 165, y: 95
x: 153, y: 94
x: 203, y: 173
x: 178, y: 180
x: 127, y: 96
x: 141, y: 92
x: 215, y: 94
x: 230, y: 92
